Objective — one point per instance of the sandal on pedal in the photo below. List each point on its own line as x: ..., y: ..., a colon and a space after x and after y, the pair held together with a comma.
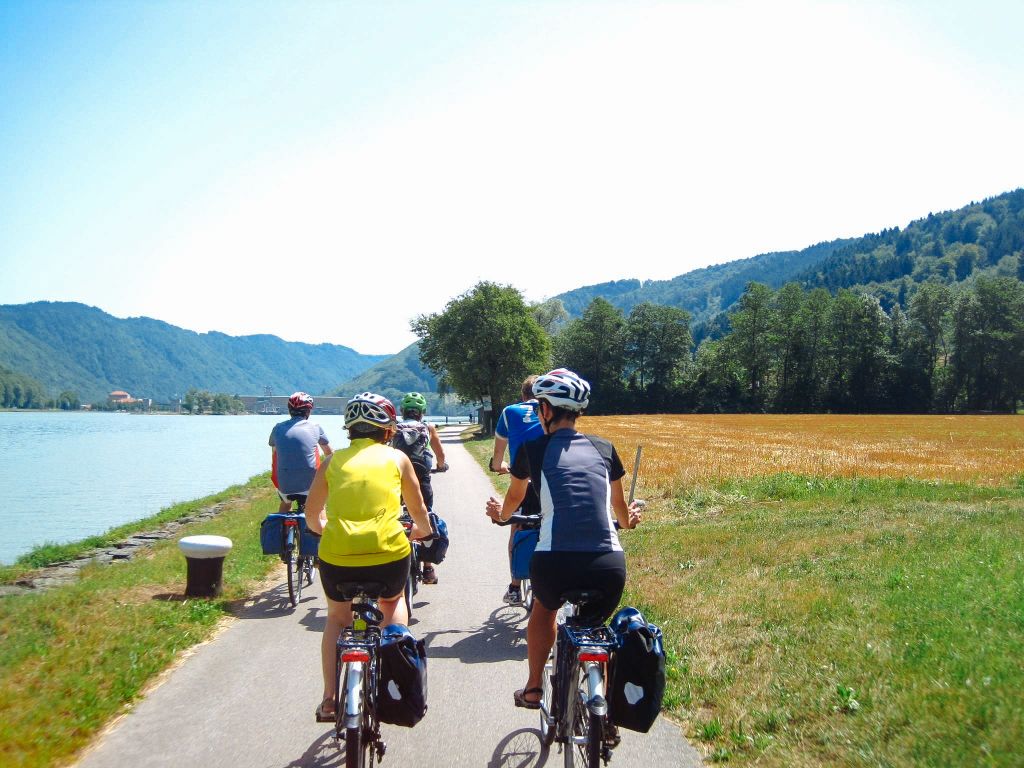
x: 429, y: 575
x: 325, y: 712
x: 525, y: 703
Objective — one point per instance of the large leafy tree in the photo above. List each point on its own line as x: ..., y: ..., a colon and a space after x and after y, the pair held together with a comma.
x: 658, y: 345
x: 594, y: 346
x: 483, y: 344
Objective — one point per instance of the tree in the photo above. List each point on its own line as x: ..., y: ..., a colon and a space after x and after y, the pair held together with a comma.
x: 657, y: 348
x: 550, y: 315
x: 483, y: 344
x: 594, y: 346
x: 752, y: 341
x: 988, y: 356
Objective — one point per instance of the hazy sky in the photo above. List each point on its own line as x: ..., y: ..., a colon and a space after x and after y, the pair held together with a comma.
x: 327, y: 171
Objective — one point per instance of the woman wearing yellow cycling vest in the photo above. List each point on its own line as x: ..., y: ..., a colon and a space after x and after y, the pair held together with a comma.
x: 355, y: 502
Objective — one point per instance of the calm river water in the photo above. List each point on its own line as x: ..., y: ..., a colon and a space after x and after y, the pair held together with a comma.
x: 64, y: 476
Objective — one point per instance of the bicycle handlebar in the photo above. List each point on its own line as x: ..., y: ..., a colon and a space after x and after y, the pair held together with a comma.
x: 528, y: 520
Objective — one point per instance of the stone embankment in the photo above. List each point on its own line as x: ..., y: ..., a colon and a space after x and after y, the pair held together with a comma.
x: 120, y: 552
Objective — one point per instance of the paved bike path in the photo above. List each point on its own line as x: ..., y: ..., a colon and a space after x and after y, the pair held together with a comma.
x: 247, y: 698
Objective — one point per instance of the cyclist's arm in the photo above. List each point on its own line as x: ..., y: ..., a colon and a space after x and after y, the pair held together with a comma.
x: 326, y: 449
x: 413, y: 497
x: 316, y: 502
x: 435, y: 446
x: 627, y: 515
x: 513, y: 499
x: 497, y: 463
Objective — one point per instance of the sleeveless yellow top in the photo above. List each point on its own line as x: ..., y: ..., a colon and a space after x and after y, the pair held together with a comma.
x: 364, y: 500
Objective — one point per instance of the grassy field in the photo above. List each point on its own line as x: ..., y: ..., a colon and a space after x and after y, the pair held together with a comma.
x: 73, y: 657
x: 834, y: 591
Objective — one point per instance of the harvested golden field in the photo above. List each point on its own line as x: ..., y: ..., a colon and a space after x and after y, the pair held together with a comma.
x: 685, y: 450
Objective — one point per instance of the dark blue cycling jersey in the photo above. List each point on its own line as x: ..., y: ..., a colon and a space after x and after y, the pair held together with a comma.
x: 573, y: 473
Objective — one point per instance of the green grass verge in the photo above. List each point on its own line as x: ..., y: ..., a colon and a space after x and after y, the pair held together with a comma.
x: 128, y: 621
x: 838, y: 622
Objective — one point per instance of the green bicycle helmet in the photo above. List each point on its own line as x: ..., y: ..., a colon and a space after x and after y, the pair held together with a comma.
x: 414, y: 401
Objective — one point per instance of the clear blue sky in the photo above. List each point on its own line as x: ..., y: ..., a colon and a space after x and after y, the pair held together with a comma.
x: 326, y: 171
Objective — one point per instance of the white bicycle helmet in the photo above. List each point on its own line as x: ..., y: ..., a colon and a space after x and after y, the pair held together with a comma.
x: 372, y: 409
x: 563, y: 389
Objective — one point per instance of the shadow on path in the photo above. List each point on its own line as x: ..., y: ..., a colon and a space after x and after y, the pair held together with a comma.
x: 520, y: 749
x: 498, y: 639
x: 325, y: 752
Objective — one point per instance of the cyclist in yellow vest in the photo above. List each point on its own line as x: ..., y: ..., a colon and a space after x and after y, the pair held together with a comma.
x: 355, y: 502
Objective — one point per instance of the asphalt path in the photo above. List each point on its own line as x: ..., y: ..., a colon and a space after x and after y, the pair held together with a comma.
x: 247, y: 697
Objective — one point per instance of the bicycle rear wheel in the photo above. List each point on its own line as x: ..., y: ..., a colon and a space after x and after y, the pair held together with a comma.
x: 409, y: 591
x: 583, y: 727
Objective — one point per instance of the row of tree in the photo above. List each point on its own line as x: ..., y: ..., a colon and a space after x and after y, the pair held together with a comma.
x: 951, y: 349
x: 218, y: 403
x: 20, y: 391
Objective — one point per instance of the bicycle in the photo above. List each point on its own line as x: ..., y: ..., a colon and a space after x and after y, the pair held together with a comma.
x: 573, y: 707
x: 412, y: 585
x: 358, y: 666
x: 299, y: 566
x: 525, y: 523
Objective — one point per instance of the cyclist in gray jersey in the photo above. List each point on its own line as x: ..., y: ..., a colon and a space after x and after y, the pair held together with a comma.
x: 296, y: 445
x: 579, y: 480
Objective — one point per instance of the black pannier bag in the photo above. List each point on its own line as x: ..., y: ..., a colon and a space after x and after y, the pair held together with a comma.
x: 434, y: 551
x: 402, y: 682
x: 636, y: 671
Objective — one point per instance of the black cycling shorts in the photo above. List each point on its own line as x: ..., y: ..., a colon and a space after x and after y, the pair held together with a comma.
x: 553, y: 573
x: 393, y: 575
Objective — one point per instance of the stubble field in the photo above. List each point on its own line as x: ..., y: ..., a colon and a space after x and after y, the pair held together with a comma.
x: 835, y: 590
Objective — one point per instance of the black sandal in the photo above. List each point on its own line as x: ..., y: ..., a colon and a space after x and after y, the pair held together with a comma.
x: 525, y: 703
x: 322, y: 715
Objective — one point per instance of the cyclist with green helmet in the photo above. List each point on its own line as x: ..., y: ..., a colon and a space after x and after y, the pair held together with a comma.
x: 420, y: 442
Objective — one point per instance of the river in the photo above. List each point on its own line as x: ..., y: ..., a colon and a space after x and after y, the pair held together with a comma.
x: 65, y: 476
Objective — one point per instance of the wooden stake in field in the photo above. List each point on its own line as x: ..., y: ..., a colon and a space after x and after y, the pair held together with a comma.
x: 636, y: 469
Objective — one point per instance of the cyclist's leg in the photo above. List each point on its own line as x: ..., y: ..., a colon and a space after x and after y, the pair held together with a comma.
x: 286, y: 503
x: 339, y: 616
x: 540, y: 630
x: 429, y: 572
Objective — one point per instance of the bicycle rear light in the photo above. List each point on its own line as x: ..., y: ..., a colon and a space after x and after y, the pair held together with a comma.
x: 355, y: 655
x: 593, y: 654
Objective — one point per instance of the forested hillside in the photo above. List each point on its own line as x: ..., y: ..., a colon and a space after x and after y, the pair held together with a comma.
x: 980, y: 238
x: 704, y: 292
x: 73, y: 347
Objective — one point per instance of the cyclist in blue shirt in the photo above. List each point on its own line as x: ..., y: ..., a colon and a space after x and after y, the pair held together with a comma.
x: 579, y: 480
x: 517, y: 424
x: 296, y: 445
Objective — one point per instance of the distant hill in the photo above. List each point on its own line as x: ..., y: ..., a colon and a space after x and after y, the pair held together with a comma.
x: 397, y: 375
x: 704, y: 292
x: 952, y: 246
x: 70, y: 346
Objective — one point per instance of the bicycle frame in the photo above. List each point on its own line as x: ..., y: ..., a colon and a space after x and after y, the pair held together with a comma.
x: 356, y: 697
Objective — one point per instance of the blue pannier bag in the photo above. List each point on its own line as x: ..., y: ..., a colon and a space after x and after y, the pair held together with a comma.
x: 272, y: 535
x: 402, y: 683
x: 434, y: 551
x: 636, y: 671
x: 523, y: 544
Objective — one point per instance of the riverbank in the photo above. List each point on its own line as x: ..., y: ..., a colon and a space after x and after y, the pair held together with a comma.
x: 128, y: 619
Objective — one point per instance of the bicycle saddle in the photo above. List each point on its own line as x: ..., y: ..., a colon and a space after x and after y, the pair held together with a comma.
x: 582, y: 596
x: 371, y: 589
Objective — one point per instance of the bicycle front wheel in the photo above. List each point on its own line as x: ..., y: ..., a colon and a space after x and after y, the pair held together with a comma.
x: 527, y: 592
x: 583, y: 727
x: 547, y: 723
